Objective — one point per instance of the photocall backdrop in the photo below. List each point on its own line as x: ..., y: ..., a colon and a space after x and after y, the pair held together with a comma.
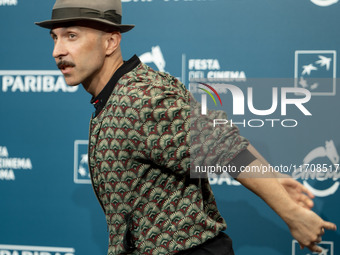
x: 47, y: 205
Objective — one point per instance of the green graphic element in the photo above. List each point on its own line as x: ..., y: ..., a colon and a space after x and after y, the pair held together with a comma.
x: 209, y: 95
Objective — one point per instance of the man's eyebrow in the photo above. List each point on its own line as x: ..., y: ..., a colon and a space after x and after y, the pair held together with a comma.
x: 52, y: 33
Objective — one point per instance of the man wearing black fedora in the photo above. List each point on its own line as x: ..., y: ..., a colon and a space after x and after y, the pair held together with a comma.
x: 140, y: 141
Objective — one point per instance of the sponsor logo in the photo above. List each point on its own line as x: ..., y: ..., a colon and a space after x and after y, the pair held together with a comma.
x: 81, y: 168
x: 8, y: 165
x: 326, y: 246
x: 321, y: 178
x: 155, y: 56
x: 8, y: 2
x: 315, y: 70
x: 34, y: 81
x: 34, y: 250
x: 324, y: 3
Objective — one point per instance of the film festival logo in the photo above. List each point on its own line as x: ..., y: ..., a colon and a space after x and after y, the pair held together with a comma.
x: 81, y: 168
x: 199, y: 70
x: 315, y: 70
x: 155, y: 56
x: 9, y: 165
x: 326, y: 246
x: 324, y: 3
x: 320, y: 170
x: 155, y: 59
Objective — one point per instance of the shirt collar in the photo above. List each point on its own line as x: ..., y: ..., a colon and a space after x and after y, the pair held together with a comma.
x: 100, y: 100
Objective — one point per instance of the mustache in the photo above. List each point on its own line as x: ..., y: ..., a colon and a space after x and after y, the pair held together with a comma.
x: 63, y: 63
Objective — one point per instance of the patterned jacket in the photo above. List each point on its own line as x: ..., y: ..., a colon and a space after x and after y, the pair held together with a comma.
x: 139, y: 158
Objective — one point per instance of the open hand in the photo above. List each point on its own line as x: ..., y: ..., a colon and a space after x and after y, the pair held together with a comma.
x: 299, y: 193
x: 308, y: 228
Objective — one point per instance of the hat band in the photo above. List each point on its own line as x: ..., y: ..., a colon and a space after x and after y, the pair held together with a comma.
x: 65, y: 13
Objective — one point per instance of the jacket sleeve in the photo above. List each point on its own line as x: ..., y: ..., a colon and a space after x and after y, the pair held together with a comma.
x: 179, y: 138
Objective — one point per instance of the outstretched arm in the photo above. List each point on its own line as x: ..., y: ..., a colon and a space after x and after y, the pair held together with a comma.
x: 305, y: 226
x: 299, y: 193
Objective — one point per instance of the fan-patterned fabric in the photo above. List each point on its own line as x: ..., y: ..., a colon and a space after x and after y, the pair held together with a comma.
x: 139, y: 158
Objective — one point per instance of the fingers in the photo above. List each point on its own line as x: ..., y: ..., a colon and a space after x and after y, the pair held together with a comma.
x: 305, y: 201
x: 306, y: 195
x: 301, y: 246
x: 307, y: 191
x: 322, y: 232
x: 314, y: 248
x: 329, y: 225
x: 319, y: 239
x: 313, y: 245
x: 312, y: 230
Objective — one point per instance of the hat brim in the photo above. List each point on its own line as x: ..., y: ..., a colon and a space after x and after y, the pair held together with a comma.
x: 52, y: 23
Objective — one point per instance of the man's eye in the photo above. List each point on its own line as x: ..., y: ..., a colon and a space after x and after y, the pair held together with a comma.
x: 72, y: 36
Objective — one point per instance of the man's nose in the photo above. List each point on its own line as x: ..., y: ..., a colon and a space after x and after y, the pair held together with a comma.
x: 59, y: 49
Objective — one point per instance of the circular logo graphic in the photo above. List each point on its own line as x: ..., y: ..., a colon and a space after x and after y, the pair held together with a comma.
x: 330, y: 152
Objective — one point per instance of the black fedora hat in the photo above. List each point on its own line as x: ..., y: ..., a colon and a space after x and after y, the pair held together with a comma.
x: 106, y: 12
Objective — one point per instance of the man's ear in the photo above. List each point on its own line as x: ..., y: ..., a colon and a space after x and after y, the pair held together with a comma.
x: 113, y: 42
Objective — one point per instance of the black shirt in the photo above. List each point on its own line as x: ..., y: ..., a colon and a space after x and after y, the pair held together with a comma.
x: 100, y: 100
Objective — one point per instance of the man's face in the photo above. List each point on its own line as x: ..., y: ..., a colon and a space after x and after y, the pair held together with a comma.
x: 79, y: 53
